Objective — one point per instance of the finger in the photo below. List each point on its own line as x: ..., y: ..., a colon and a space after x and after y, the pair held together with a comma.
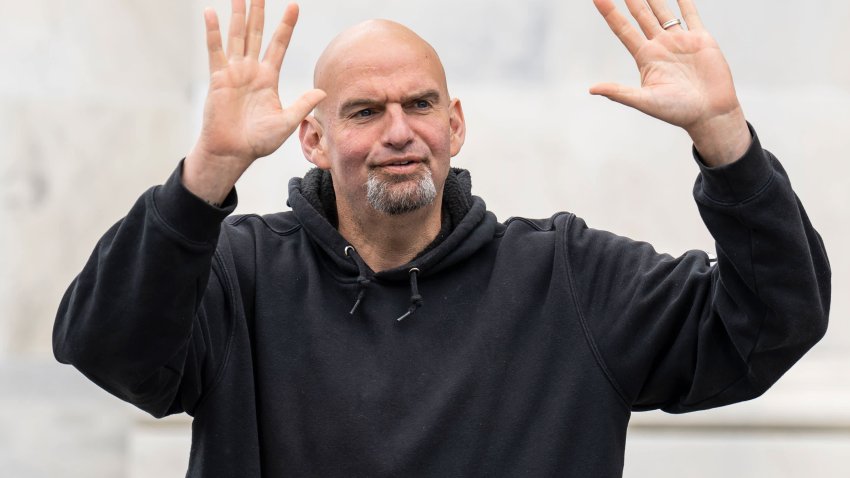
x: 690, y: 14
x: 620, y: 25
x: 236, y: 35
x: 297, y: 111
x: 663, y: 13
x: 280, y: 40
x: 217, y: 58
x: 647, y: 20
x: 621, y: 94
x: 254, y: 40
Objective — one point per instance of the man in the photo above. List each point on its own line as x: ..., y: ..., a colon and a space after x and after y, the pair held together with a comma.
x: 388, y: 325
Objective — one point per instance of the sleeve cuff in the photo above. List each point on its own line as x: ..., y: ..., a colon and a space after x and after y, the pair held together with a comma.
x: 188, y: 214
x: 737, y: 181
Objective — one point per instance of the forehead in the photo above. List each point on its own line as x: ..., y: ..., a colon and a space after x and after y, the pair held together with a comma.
x: 379, y: 59
x: 390, y: 71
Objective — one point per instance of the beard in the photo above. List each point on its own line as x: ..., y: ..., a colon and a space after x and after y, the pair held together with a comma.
x: 400, y: 194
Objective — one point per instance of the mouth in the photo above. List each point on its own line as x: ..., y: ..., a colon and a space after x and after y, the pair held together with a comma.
x: 400, y: 161
x: 400, y: 166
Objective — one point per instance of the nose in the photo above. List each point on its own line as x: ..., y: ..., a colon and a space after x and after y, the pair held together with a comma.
x: 397, y: 133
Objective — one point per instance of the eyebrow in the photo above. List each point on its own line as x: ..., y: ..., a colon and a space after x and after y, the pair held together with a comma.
x: 355, y: 103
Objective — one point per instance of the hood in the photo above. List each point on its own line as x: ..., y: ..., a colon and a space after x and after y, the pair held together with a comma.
x: 467, y: 226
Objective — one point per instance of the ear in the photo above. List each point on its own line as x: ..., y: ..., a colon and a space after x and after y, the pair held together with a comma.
x: 311, y: 135
x: 457, y: 125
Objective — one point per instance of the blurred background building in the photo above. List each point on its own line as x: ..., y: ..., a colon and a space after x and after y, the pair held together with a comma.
x: 99, y: 100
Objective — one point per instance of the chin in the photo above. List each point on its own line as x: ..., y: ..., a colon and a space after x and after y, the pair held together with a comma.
x: 402, y: 194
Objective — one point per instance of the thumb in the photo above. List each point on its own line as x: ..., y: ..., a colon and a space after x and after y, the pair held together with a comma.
x: 616, y: 92
x: 297, y: 111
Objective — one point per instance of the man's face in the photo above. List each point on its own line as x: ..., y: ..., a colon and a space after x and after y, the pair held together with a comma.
x: 388, y: 125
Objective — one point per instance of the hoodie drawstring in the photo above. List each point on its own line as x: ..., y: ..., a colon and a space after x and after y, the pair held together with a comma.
x: 415, y: 298
x: 361, y: 278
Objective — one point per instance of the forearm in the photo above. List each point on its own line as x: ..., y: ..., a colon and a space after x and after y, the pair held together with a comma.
x: 127, y: 318
x: 772, y: 265
x: 682, y: 334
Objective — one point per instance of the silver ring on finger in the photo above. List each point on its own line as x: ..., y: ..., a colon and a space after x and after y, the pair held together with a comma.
x: 671, y: 23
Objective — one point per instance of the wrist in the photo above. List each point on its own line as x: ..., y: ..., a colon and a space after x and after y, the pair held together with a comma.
x: 211, y: 177
x: 722, y: 139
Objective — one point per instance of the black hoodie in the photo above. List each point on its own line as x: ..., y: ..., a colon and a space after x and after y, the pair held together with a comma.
x: 526, y: 347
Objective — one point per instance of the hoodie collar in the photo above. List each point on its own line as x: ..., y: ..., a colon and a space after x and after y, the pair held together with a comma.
x: 313, y: 201
x: 466, y: 227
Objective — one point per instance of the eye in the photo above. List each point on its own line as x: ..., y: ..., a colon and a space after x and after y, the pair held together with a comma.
x: 422, y: 104
x: 365, y: 113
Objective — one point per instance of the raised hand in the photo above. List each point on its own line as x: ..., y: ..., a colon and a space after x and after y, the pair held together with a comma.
x: 685, y: 79
x: 243, y: 116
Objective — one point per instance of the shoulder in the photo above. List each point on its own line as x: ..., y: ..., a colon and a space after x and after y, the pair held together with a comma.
x: 244, y: 239
x: 520, y: 225
x: 571, y: 237
x: 534, y: 237
x: 242, y: 236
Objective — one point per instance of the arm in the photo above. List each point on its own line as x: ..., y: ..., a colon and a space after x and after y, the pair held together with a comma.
x: 682, y: 334
x: 148, y: 316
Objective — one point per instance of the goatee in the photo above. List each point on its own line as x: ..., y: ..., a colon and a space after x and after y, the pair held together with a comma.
x: 400, y: 194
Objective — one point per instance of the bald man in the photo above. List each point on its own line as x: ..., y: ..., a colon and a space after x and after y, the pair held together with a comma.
x: 389, y: 325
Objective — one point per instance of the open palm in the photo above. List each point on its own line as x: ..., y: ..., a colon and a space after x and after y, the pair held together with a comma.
x: 243, y: 115
x: 685, y: 79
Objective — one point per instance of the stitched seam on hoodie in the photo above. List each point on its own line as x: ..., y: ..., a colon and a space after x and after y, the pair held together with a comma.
x: 170, y: 229
x: 746, y: 200
x: 219, y: 374
x: 268, y: 226
x: 527, y: 222
x: 597, y: 355
x: 749, y: 354
x: 753, y: 279
x: 532, y: 224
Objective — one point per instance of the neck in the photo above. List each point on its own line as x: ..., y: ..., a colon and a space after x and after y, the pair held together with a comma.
x: 386, y: 241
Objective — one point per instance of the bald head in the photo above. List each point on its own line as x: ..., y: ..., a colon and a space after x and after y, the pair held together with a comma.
x: 374, y: 46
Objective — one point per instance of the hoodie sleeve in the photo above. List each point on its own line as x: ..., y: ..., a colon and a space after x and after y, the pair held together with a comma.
x: 146, y: 317
x: 684, y: 334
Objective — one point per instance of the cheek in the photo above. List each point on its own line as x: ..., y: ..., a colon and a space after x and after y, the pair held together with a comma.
x: 439, y: 143
x: 351, y: 149
x: 445, y: 147
x: 438, y: 140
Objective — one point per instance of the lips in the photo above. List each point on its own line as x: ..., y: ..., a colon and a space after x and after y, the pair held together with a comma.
x: 399, y: 162
x: 404, y: 166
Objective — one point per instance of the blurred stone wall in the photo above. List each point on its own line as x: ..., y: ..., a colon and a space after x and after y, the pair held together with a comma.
x: 99, y: 100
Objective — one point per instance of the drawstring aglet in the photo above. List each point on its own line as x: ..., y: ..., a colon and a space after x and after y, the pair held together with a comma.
x: 356, y: 305
x: 406, y: 314
x: 360, y: 296
x: 415, y: 298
